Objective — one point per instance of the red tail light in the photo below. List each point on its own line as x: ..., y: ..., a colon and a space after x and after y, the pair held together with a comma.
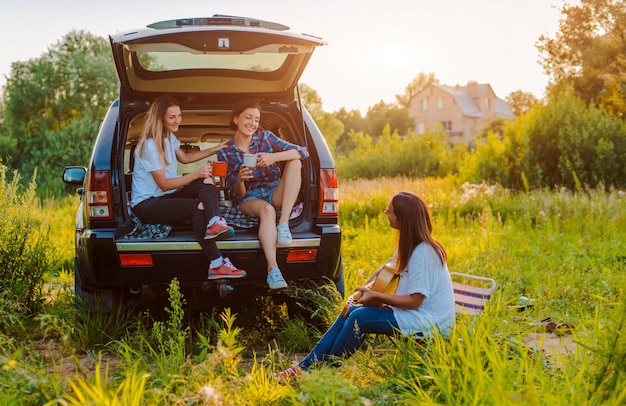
x: 136, y: 260
x: 329, y: 193
x: 306, y: 255
x: 98, y: 196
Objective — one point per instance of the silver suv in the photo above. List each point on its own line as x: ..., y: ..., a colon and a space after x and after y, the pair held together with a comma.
x: 208, y: 65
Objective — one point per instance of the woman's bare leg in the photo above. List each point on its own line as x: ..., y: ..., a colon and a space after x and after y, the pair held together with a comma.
x: 266, y: 214
x: 286, y: 193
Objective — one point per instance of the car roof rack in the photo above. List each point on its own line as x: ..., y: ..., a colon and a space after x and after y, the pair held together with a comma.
x: 218, y: 19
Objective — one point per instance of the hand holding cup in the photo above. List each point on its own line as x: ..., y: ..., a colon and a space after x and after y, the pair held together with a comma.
x: 219, y: 168
x: 245, y: 172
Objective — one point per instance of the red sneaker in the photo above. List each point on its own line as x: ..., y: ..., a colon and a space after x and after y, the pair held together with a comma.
x: 226, y: 271
x: 288, y: 373
x: 219, y: 230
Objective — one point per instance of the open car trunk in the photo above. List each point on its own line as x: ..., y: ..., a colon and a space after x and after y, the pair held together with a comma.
x: 202, y: 129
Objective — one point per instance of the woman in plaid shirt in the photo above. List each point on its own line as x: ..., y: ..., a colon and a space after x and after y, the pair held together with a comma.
x: 260, y: 191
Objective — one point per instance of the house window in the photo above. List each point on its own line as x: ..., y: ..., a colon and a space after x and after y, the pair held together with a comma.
x: 440, y: 103
x: 420, y: 128
x: 424, y: 104
x: 487, y: 104
x: 447, y: 125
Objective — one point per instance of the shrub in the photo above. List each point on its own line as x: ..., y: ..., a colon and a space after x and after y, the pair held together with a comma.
x: 23, y: 253
x: 325, y: 386
x: 488, y: 161
x: 562, y: 143
x: 390, y: 155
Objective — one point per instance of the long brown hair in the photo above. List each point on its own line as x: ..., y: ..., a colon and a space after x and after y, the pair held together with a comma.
x: 153, y: 127
x: 415, y: 226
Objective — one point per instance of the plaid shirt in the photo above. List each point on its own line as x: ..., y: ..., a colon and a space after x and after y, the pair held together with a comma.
x: 262, y: 141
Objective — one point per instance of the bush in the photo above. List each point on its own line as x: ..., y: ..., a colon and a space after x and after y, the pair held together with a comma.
x: 23, y: 253
x: 563, y: 143
x: 325, y: 386
x: 390, y: 155
x: 488, y: 161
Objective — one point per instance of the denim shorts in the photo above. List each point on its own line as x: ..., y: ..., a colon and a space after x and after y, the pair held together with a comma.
x: 262, y: 193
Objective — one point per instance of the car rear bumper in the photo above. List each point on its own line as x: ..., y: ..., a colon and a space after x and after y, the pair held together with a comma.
x: 183, y: 259
x: 163, y: 246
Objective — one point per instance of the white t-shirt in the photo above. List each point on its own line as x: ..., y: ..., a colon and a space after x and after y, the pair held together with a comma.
x: 144, y: 186
x: 427, y: 276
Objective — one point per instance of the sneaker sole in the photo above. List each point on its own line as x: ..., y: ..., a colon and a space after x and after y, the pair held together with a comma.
x: 285, y: 244
x: 221, y: 236
x: 281, y: 286
x: 214, y: 277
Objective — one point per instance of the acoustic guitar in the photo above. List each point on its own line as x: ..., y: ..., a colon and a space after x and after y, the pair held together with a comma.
x: 386, y: 281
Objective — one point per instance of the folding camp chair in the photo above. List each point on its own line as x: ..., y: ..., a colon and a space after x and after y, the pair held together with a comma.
x: 471, y: 292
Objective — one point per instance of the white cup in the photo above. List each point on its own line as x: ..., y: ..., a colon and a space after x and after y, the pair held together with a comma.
x: 249, y: 160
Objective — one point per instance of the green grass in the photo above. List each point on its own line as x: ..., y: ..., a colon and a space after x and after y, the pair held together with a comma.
x: 564, y: 250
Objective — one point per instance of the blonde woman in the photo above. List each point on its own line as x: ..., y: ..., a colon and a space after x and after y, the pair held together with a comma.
x: 159, y: 195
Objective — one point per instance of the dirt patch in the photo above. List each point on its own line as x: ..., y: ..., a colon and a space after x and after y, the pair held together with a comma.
x: 557, y: 348
x: 73, y: 365
x: 84, y: 366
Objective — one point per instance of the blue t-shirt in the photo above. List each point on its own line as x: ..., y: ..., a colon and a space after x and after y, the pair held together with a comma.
x: 426, y: 275
x: 144, y: 185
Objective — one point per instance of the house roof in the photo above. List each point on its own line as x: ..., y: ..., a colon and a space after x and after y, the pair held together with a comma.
x: 503, y: 108
x: 467, y: 102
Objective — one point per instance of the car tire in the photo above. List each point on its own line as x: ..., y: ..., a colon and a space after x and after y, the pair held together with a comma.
x: 85, y: 299
x: 340, y: 282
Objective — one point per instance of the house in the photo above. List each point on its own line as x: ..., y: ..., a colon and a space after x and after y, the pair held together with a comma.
x: 461, y: 110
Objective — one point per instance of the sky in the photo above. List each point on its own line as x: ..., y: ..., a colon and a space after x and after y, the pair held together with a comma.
x: 375, y: 48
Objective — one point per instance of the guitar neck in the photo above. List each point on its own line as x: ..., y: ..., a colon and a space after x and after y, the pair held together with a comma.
x: 351, y: 300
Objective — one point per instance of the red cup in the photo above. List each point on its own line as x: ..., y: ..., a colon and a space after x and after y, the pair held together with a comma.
x: 219, y: 168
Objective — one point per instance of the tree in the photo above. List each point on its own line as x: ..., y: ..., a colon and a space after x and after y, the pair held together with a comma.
x: 329, y: 125
x: 589, y: 53
x: 417, y: 85
x: 53, y: 106
x: 562, y: 143
x: 382, y: 114
x: 495, y: 126
x: 311, y: 100
x: 331, y: 128
x: 352, y: 120
x: 571, y: 142
x: 520, y: 102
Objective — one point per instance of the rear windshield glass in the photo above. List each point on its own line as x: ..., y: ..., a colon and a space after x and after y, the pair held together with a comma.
x: 173, y: 61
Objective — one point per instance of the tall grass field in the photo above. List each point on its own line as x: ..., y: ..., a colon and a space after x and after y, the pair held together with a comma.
x: 554, y: 333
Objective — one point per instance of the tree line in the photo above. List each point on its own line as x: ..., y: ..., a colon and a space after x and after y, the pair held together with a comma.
x: 51, y: 108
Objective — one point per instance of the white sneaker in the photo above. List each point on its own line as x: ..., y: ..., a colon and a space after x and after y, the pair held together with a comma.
x: 284, y: 235
x: 275, y: 279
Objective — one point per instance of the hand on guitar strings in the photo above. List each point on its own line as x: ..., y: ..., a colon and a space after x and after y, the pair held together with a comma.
x: 369, y: 297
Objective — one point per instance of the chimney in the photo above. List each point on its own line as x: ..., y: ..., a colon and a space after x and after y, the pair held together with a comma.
x: 472, y: 87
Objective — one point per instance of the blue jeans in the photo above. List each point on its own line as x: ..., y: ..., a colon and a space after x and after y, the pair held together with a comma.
x: 347, y: 334
x: 265, y: 192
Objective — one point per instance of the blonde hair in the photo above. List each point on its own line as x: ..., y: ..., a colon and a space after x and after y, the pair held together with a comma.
x: 153, y: 126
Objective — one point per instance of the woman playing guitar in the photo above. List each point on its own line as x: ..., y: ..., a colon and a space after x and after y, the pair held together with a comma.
x: 411, y: 294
